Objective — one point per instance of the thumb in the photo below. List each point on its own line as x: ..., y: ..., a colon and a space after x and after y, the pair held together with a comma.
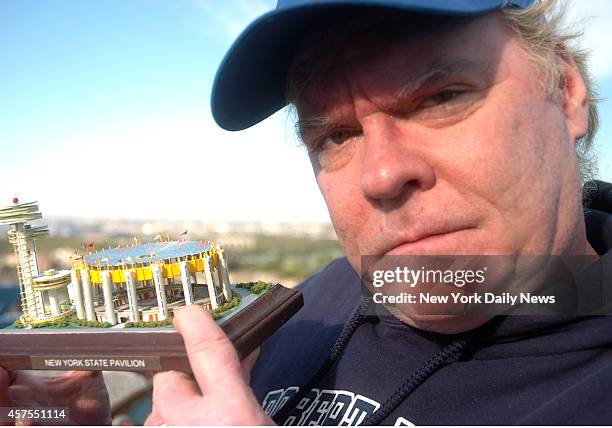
x: 212, y: 356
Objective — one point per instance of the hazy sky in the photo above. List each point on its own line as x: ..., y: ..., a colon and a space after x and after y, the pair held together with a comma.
x: 104, y: 112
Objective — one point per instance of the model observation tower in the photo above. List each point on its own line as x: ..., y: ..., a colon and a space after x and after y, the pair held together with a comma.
x: 44, y: 298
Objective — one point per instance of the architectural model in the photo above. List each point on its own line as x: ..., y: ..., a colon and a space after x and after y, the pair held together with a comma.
x: 138, y: 283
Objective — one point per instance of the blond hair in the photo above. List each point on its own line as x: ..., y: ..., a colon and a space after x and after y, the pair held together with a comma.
x: 548, y: 41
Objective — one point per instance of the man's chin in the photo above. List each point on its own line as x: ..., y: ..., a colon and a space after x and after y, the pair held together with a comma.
x: 443, y: 324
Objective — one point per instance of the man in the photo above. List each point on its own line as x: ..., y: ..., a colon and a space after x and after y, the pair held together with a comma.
x: 428, y: 134
x: 434, y: 127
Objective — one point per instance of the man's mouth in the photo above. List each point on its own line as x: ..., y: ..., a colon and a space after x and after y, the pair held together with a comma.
x: 444, y: 242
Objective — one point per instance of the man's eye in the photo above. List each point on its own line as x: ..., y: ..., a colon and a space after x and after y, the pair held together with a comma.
x: 333, y: 140
x: 440, y: 98
x: 335, y: 149
x: 339, y: 137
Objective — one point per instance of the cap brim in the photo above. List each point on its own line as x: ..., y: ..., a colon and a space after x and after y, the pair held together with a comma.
x: 250, y: 82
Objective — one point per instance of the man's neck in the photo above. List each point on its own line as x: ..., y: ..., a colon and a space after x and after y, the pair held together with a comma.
x: 581, y: 247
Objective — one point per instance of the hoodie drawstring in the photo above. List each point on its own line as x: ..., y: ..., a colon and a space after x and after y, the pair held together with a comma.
x: 449, y: 353
x: 347, y: 332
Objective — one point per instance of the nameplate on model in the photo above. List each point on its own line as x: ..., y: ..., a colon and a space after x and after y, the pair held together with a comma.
x: 141, y: 349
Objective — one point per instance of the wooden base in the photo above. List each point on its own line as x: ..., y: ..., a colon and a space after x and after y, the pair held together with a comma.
x: 141, y: 349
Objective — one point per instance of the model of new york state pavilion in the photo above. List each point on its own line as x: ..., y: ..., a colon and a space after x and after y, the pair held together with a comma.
x: 145, y: 282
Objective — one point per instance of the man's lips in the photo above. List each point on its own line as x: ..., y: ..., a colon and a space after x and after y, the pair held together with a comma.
x: 427, y: 243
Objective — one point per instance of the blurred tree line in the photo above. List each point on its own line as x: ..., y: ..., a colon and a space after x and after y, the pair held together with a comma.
x: 284, y: 256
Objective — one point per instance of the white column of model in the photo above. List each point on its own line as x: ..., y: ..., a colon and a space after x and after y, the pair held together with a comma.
x: 32, y: 258
x: 186, y: 280
x: 224, y: 274
x: 212, y: 293
x: 28, y: 270
x: 130, y: 282
x: 90, y: 312
x: 54, y: 302
x: 107, y: 290
x: 70, y: 291
x: 77, y: 294
x: 160, y: 290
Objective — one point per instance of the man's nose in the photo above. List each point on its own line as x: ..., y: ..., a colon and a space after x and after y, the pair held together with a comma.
x: 392, y: 162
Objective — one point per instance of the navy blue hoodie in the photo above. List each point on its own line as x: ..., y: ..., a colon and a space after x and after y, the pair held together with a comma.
x: 547, y: 370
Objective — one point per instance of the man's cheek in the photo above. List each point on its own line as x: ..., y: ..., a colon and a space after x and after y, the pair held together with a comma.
x: 349, y: 222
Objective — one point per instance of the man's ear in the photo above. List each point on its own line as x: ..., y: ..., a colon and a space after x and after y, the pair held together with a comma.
x: 574, y: 96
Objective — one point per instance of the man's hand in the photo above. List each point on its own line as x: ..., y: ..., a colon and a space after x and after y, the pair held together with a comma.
x: 219, y: 394
x: 83, y: 393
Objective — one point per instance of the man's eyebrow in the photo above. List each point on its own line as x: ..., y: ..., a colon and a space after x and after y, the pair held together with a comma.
x: 440, y: 68
x: 304, y: 126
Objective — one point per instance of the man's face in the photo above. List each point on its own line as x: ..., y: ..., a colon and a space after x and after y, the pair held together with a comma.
x: 445, y: 143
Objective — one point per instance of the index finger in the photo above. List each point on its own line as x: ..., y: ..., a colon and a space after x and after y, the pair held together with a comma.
x: 212, y: 356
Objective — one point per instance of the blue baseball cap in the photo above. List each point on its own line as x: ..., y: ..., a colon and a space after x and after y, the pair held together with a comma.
x: 251, y: 80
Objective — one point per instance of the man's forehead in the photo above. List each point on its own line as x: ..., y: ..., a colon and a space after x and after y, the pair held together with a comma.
x: 394, y: 74
x: 401, y: 67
